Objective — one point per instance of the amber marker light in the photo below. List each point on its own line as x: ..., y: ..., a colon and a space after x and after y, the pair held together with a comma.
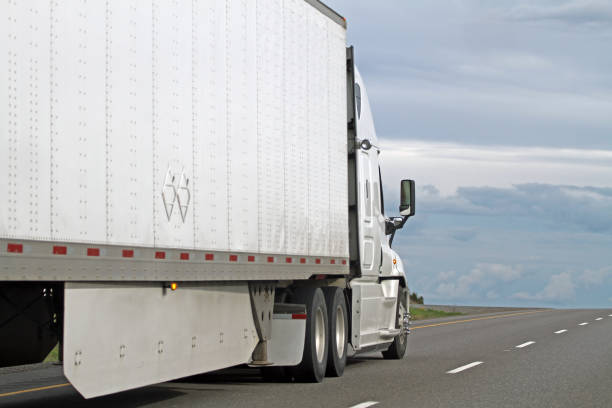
x: 173, y: 286
x: 394, y: 261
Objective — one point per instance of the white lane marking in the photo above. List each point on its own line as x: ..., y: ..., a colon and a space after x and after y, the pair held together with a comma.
x: 560, y: 331
x: 365, y: 404
x: 465, y: 367
x: 583, y: 324
x: 599, y: 318
x: 529, y: 343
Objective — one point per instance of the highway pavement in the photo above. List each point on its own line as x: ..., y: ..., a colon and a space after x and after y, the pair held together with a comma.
x: 528, y: 358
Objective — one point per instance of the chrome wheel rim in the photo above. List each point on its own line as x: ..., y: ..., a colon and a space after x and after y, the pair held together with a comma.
x: 403, y: 335
x: 340, y: 331
x: 320, y: 334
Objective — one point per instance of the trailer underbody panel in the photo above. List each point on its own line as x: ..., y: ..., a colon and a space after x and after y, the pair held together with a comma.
x: 111, y: 344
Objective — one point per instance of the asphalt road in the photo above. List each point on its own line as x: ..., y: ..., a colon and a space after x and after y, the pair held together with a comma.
x: 520, y: 359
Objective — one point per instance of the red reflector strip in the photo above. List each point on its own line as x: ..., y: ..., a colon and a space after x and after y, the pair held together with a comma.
x: 14, y: 248
x: 93, y: 251
x: 160, y: 255
x: 320, y: 277
x: 60, y: 250
x: 289, y: 260
x: 317, y: 261
x: 209, y: 257
x: 233, y: 258
x: 127, y: 253
x: 302, y: 260
x: 332, y: 261
x: 184, y: 256
x: 344, y: 262
x: 251, y: 258
x: 270, y: 259
x: 298, y: 316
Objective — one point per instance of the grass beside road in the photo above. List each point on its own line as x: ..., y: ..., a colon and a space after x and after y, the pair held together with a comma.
x: 418, y: 313
x: 53, y: 355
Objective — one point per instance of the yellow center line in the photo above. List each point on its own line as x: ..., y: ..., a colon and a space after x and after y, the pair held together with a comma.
x: 48, y: 387
x: 478, y: 318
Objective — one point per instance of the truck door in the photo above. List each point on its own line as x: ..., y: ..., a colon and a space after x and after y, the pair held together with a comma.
x: 368, y: 194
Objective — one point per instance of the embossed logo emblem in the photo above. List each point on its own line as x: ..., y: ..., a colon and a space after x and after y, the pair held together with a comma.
x: 176, y: 193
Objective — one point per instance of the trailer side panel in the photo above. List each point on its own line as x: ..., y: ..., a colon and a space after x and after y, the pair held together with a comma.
x: 204, y: 126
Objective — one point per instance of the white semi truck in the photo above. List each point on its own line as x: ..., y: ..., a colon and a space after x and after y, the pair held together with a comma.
x: 187, y: 186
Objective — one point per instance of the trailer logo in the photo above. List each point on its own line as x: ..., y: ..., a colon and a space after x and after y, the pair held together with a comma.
x: 176, y: 192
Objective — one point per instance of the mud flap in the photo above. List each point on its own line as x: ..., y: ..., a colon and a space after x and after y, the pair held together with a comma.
x: 119, y: 336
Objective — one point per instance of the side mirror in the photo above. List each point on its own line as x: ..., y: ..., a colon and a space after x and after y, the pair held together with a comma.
x: 407, y: 198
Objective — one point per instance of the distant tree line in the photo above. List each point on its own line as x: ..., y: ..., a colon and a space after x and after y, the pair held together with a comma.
x: 415, y: 298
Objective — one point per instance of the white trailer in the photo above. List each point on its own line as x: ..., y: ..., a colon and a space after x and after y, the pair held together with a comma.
x: 188, y: 186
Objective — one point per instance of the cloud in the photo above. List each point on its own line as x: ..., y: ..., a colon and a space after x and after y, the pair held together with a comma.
x: 558, y: 289
x: 463, y: 234
x: 469, y: 286
x: 445, y: 276
x: 571, y: 12
x: 492, y: 295
x: 481, y: 75
x: 595, y: 277
x: 585, y: 208
x: 448, y: 166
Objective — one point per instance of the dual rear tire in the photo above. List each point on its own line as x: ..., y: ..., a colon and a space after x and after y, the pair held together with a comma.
x: 326, y: 341
x: 337, y: 317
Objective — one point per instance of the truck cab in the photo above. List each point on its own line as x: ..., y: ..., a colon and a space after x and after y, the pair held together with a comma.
x: 379, y: 291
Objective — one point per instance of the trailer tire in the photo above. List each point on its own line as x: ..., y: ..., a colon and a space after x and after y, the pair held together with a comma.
x: 337, y: 316
x: 397, y: 350
x: 314, y: 359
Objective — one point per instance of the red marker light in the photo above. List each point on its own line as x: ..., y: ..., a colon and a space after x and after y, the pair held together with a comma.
x: 14, y: 248
x: 60, y: 250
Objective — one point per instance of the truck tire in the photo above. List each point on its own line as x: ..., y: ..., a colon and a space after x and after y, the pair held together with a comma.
x: 397, y: 350
x: 338, y: 331
x: 314, y: 359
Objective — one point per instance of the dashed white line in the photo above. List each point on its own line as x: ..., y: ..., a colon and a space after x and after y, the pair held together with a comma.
x: 529, y: 343
x: 560, y: 331
x: 365, y: 404
x: 599, y: 318
x: 583, y: 324
x: 465, y: 367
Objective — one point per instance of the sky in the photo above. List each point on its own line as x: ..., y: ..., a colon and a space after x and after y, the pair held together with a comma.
x: 502, y: 114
